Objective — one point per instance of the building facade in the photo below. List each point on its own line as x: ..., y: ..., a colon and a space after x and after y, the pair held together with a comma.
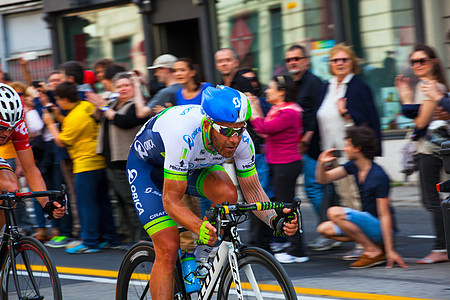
x: 133, y: 33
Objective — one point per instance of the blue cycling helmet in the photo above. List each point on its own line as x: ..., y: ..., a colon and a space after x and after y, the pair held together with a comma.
x: 224, y: 104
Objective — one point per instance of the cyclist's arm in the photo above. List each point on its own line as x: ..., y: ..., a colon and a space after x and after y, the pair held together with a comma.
x: 173, y: 192
x: 35, y: 180
x: 253, y: 192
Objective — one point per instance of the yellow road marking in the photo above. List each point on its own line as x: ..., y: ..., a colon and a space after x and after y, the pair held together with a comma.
x: 265, y: 287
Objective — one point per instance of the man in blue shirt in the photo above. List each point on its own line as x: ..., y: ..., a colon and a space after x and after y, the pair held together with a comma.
x: 374, y: 226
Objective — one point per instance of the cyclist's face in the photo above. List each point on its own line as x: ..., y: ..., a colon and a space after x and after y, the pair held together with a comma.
x: 4, y: 136
x: 225, y: 146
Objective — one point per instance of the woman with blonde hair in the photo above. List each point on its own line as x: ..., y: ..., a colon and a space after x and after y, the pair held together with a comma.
x: 345, y: 100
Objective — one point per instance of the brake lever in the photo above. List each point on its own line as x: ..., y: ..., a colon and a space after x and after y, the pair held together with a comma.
x: 297, y: 203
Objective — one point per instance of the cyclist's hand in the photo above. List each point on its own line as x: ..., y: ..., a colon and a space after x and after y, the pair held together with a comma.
x: 291, y: 226
x: 285, y: 224
x: 54, y: 210
x: 207, y: 234
x: 59, y: 211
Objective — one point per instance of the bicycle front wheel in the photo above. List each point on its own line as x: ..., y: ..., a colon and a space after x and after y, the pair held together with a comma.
x: 36, y: 273
x: 261, y: 275
x: 135, y: 272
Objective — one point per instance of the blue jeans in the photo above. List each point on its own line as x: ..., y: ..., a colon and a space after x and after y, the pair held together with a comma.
x: 94, y: 208
x: 313, y: 190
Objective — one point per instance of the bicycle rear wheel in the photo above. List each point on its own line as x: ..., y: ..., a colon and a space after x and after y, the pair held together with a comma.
x: 135, y: 272
x: 262, y: 277
x: 36, y: 273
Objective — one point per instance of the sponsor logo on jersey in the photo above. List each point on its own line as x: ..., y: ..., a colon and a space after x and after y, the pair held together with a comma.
x: 199, y: 159
x: 132, y: 175
x: 186, y: 110
x: 150, y: 190
x: 248, y: 166
x: 139, y: 148
x: 189, y: 139
x: 178, y: 168
x: 149, y: 144
x: 245, y: 139
x: 157, y: 215
x: 203, y: 151
x: 137, y: 202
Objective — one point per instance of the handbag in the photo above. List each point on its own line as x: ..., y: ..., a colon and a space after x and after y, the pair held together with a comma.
x: 408, y: 161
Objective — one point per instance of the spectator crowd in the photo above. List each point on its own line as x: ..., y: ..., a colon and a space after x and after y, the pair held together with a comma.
x: 81, y: 124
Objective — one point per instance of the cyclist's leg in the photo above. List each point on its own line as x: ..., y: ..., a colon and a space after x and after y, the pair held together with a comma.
x: 212, y: 183
x: 146, y: 185
x: 8, y: 182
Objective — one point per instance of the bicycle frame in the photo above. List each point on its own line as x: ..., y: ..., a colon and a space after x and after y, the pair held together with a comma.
x: 10, y: 236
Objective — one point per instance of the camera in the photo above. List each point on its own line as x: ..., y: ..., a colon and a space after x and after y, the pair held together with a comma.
x: 48, y: 108
x: 36, y: 84
x: 337, y: 153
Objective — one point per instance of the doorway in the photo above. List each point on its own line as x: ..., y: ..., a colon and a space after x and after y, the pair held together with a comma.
x: 180, y: 38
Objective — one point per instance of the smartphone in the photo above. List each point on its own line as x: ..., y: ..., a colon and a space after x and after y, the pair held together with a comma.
x: 29, y: 56
x: 36, y: 84
x: 337, y: 153
x: 48, y: 108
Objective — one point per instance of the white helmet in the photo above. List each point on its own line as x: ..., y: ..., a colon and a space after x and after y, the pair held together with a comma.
x: 11, y: 107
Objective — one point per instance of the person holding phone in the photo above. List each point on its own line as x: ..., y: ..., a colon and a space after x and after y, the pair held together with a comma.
x: 345, y: 100
x: 373, y: 227
x: 430, y: 131
x: 282, y: 128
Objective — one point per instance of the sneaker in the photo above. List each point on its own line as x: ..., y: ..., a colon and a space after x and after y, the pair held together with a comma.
x: 354, y: 254
x: 81, y: 248
x: 58, y: 241
x: 278, y: 247
x: 289, y: 259
x: 107, y: 245
x: 366, y: 262
x: 326, y: 244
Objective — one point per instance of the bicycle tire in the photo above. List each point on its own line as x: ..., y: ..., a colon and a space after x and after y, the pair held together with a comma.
x: 33, y: 262
x: 270, y: 276
x: 135, y: 272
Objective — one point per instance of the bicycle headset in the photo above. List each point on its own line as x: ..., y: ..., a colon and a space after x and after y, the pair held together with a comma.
x: 11, y: 107
x: 225, y: 104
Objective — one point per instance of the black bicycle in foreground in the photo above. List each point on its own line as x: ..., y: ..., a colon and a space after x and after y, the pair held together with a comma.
x: 27, y: 270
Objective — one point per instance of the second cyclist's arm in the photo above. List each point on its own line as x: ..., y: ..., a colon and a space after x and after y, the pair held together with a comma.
x: 253, y: 192
x: 32, y: 173
x: 173, y: 192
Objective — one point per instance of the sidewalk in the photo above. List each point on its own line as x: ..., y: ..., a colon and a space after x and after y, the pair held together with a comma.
x: 406, y: 195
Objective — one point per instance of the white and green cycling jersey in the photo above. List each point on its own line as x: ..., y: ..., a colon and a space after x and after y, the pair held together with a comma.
x: 175, y: 140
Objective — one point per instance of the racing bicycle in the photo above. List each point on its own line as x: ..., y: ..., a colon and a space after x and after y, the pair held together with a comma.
x: 27, y: 270
x: 236, y: 271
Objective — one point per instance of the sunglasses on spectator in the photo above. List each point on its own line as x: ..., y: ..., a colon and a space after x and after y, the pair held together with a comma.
x: 296, y: 58
x: 229, y: 131
x: 5, y: 129
x: 337, y: 60
x: 420, y: 61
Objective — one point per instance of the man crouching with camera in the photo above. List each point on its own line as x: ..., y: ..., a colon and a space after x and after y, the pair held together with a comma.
x: 373, y: 227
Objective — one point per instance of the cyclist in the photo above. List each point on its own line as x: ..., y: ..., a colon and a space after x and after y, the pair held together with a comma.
x: 12, y: 127
x: 180, y: 151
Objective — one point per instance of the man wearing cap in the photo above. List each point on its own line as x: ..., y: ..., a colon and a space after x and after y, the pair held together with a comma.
x: 181, y: 151
x: 165, y: 97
